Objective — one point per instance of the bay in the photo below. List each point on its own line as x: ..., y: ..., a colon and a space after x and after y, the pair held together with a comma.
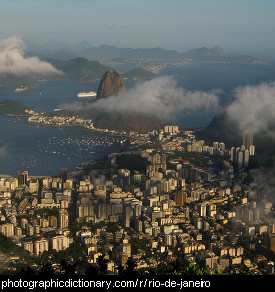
x: 223, y: 76
x: 220, y: 78
x: 46, y: 150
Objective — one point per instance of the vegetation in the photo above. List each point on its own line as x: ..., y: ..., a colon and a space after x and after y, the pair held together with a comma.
x: 11, y: 107
x: 15, y: 81
x: 75, y: 251
x: 196, y: 158
x: 80, y: 69
x: 8, y: 247
x: 139, y: 73
x: 132, y: 162
x: 69, y: 268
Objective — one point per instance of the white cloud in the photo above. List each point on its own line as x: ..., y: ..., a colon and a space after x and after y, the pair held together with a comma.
x: 12, y: 59
x: 159, y: 96
x: 254, y: 107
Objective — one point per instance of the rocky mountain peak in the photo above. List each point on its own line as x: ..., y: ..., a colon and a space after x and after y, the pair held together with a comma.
x: 110, y: 84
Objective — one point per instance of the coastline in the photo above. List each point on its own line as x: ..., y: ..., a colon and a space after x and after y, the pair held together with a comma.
x: 109, y: 143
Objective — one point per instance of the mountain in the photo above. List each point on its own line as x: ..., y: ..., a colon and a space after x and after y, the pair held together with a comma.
x: 106, y: 52
x: 77, y: 69
x: 220, y: 129
x: 138, y: 73
x: 217, y: 54
x: 13, y: 80
x: 203, y: 54
x: 112, y: 52
x: 13, y: 108
x: 130, y: 121
x: 80, y: 69
x: 83, y: 45
x: 111, y: 83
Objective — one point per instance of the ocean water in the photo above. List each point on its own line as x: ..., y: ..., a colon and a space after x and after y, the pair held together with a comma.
x: 221, y: 78
x: 46, y: 150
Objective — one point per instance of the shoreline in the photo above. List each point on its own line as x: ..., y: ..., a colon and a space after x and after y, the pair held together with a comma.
x: 81, y: 128
x: 122, y: 138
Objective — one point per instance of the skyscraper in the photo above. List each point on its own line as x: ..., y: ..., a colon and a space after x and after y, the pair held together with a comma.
x: 252, y: 150
x: 22, y: 177
x: 240, y: 158
x: 180, y: 198
x: 63, y: 218
x: 247, y: 140
x: 64, y: 176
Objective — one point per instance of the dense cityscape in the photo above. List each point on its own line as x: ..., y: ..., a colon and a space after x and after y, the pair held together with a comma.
x: 166, y: 204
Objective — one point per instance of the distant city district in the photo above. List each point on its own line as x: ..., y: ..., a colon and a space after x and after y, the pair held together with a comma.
x: 167, y: 196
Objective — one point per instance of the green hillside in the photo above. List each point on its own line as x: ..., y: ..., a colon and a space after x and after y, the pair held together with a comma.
x: 80, y: 69
x: 139, y: 73
x: 12, y: 80
x: 12, y: 108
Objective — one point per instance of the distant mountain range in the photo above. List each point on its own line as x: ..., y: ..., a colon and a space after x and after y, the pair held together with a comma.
x: 84, y: 63
x: 106, y: 52
x: 203, y: 54
x: 79, y: 69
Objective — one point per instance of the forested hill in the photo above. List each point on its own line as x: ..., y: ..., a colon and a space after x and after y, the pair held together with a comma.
x: 79, y: 69
x: 13, y: 108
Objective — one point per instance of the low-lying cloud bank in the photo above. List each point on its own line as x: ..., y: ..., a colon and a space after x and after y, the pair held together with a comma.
x: 160, y: 96
x: 13, y: 61
x: 254, y: 108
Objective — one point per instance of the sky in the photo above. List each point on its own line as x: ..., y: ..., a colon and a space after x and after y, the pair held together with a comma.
x: 243, y: 26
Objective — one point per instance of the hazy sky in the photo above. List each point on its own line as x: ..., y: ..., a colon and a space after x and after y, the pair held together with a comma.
x: 245, y: 26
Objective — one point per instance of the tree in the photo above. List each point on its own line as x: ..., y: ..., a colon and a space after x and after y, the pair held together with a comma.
x: 91, y: 270
x: 69, y: 269
x: 130, y: 267
x: 245, y: 270
x: 46, y: 269
x: 102, y: 264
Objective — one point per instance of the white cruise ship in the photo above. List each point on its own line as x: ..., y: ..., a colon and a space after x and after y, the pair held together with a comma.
x: 87, y: 94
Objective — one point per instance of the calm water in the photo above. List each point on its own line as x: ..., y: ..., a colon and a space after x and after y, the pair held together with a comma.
x: 46, y: 150
x: 220, y: 76
x: 223, y: 78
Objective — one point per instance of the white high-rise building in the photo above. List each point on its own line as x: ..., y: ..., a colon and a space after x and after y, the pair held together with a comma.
x: 252, y: 150
x: 60, y: 242
x: 247, y: 140
x: 39, y: 246
x: 7, y: 229
x: 63, y: 218
x: 240, y: 158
